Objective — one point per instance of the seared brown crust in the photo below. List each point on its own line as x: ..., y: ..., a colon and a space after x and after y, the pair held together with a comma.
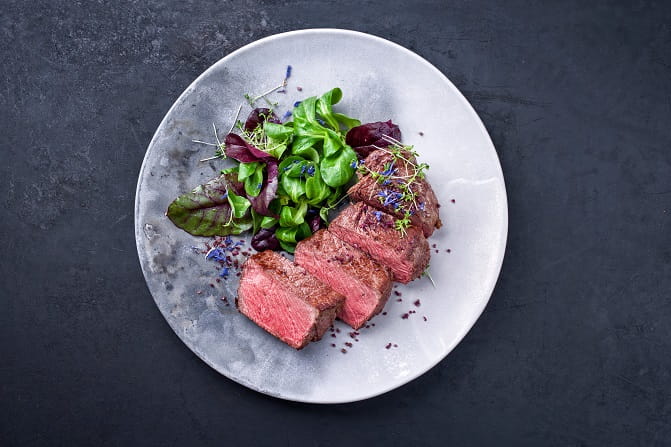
x: 426, y: 215
x: 363, y: 226
x: 355, y: 262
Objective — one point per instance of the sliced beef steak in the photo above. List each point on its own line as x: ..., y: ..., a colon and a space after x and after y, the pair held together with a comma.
x: 365, y: 284
x: 285, y: 300
x: 386, y: 197
x: 373, y: 231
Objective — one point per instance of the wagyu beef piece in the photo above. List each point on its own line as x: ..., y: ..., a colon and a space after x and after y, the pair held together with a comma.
x: 285, y: 300
x: 384, y: 193
x: 371, y: 230
x: 365, y: 284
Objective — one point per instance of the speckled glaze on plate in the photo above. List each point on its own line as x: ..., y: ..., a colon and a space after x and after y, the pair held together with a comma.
x: 380, y: 81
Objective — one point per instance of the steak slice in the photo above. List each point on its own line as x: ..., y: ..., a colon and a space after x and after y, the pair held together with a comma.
x: 365, y: 284
x: 425, y: 209
x: 285, y: 300
x: 373, y: 232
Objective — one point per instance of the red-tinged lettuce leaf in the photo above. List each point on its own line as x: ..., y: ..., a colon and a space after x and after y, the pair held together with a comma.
x: 265, y: 240
x: 364, y: 138
x: 261, y: 203
x: 234, y: 184
x: 206, y: 211
x: 237, y: 148
x: 258, y: 116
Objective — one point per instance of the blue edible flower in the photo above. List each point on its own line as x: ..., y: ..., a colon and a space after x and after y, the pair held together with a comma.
x: 217, y: 254
x: 286, y: 115
x: 224, y: 272
x: 288, y: 72
x: 308, y: 169
x: 390, y: 198
x: 378, y: 215
x: 297, y: 103
x: 389, y: 171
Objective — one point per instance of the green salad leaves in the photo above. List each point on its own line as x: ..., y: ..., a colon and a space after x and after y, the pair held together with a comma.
x: 285, y: 177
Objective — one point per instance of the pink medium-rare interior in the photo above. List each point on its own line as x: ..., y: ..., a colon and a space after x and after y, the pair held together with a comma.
x: 360, y: 300
x: 275, y: 307
x: 401, y: 269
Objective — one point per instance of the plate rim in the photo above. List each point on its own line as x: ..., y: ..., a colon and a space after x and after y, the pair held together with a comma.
x: 502, y: 243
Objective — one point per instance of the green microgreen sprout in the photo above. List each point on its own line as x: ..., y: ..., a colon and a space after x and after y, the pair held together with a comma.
x: 402, y: 225
x: 235, y: 120
x: 219, y: 153
x: 259, y: 139
x: 251, y: 100
x: 335, y: 205
x: 427, y: 273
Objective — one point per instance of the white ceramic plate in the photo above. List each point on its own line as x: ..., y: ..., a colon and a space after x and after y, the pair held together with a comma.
x: 380, y: 81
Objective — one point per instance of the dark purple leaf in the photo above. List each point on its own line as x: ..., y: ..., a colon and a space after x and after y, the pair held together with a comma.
x: 268, y: 192
x: 313, y: 220
x: 365, y: 137
x: 258, y: 116
x: 237, y: 148
x: 265, y: 240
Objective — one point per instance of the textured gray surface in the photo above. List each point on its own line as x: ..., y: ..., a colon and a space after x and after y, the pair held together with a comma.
x: 574, y: 346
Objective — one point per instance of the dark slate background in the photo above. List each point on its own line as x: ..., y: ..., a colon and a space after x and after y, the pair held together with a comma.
x: 574, y: 348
